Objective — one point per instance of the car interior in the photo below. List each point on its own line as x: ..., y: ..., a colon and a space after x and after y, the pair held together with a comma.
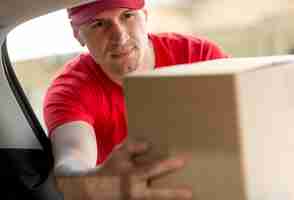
x: 25, y: 150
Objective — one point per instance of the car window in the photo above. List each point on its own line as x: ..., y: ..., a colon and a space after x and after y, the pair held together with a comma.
x: 39, y: 48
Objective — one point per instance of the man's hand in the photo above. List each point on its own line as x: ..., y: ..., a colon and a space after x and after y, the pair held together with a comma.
x: 122, y: 178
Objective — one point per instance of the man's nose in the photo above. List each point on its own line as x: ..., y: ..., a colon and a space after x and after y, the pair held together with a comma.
x: 119, y: 34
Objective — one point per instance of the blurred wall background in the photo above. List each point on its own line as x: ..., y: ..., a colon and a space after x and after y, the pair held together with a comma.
x: 241, y: 28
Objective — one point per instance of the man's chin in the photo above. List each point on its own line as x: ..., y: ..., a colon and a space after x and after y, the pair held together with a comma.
x: 130, y: 69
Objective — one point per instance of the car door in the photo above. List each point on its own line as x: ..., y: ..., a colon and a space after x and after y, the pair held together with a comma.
x: 25, y: 150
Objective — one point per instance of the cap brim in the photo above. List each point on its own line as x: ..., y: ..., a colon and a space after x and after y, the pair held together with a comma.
x: 85, y: 13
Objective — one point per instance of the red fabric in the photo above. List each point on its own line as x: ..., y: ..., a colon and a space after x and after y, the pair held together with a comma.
x: 87, y: 12
x: 84, y: 92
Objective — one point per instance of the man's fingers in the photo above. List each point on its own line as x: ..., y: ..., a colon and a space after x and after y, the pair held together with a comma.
x: 170, y: 194
x: 162, y: 168
x: 136, y: 148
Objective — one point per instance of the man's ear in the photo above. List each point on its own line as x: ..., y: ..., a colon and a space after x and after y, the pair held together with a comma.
x: 80, y: 39
x: 145, y: 11
x: 77, y: 35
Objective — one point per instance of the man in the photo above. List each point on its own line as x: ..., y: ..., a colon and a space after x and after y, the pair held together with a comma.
x: 84, y: 107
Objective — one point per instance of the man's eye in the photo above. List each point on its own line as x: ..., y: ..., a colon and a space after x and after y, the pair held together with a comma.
x: 97, y: 24
x: 128, y: 15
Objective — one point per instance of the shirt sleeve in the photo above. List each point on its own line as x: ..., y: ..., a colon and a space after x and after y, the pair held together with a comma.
x: 63, y: 103
x: 212, y: 51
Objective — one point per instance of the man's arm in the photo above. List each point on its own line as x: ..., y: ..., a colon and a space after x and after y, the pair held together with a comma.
x: 78, y: 178
x: 74, y: 148
x: 75, y: 155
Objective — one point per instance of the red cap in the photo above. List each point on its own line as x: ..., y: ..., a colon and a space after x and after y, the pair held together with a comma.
x: 84, y: 13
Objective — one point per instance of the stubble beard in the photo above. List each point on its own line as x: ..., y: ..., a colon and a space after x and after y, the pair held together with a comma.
x: 131, y: 65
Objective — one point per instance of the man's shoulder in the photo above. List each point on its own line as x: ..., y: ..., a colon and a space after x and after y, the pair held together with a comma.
x: 183, y: 42
x: 171, y: 38
x: 184, y: 48
x: 75, y: 73
x: 78, y: 62
x: 80, y: 66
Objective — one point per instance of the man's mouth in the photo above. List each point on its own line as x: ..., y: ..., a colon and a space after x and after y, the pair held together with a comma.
x: 122, y: 54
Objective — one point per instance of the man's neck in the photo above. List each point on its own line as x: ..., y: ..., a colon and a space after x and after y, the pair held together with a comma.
x: 149, y: 58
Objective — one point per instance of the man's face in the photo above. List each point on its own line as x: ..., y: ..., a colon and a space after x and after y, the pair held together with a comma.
x: 117, y: 40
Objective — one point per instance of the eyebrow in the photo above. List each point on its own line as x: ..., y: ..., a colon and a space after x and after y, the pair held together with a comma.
x: 105, y: 19
x: 97, y: 20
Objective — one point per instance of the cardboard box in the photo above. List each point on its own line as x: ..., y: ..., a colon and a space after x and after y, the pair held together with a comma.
x: 236, y: 117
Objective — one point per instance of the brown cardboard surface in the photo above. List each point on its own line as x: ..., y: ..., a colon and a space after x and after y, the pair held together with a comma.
x: 234, y: 116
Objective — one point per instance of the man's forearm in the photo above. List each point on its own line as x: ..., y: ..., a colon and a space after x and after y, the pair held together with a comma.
x: 72, y: 167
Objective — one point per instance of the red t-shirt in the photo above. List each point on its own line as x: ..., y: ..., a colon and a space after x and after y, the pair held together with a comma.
x: 83, y: 92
